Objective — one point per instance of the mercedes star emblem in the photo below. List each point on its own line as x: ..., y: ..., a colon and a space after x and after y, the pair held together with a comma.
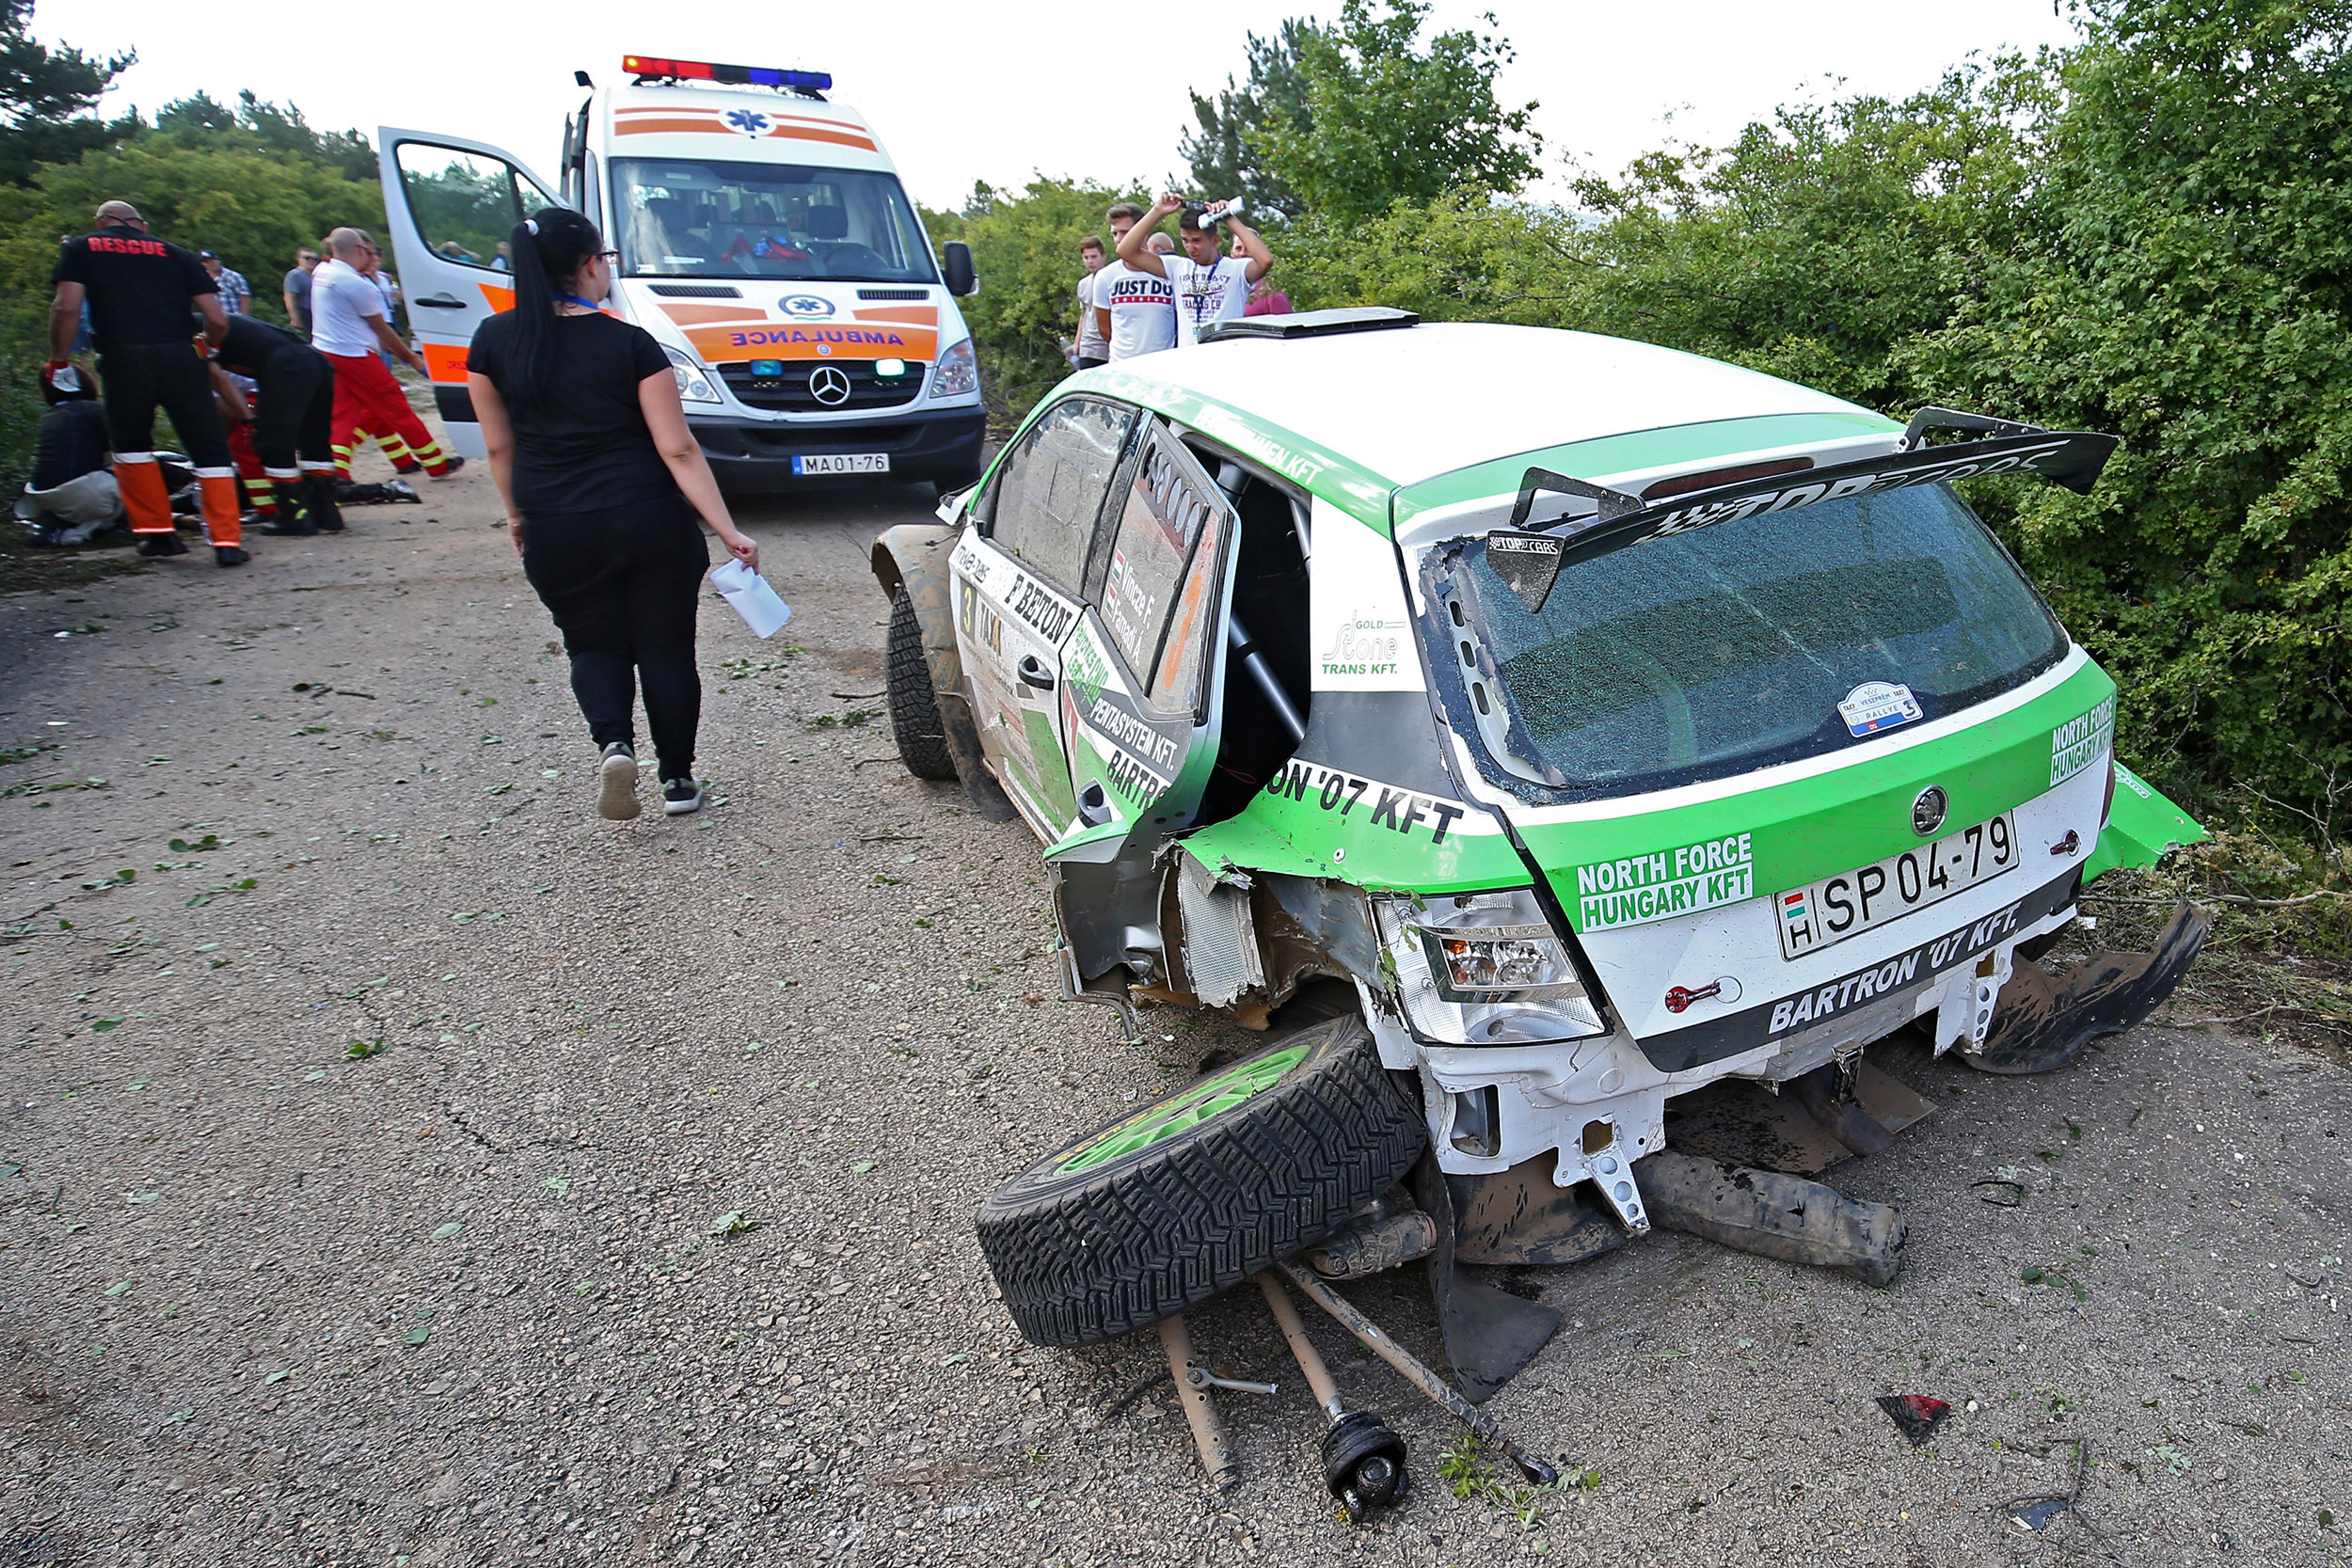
x: 1927, y: 812
x: 829, y: 386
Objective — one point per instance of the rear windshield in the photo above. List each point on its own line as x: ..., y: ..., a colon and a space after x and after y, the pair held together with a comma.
x: 689, y: 218
x: 1722, y: 649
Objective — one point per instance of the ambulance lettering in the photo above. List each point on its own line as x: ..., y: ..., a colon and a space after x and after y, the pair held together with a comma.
x: 770, y: 337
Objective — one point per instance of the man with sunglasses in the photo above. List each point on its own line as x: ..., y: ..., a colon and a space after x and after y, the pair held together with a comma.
x: 349, y: 327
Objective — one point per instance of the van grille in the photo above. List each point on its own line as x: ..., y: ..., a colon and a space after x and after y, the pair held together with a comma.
x: 698, y: 291
x: 894, y: 294
x: 786, y: 391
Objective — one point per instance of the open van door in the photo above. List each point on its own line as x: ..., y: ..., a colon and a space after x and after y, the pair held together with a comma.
x: 449, y: 204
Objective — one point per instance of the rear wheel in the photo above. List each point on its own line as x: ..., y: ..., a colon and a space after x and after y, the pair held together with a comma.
x: 1191, y: 1196
x: 914, y: 722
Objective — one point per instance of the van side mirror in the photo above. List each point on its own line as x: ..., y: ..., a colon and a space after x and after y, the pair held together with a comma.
x: 954, y: 260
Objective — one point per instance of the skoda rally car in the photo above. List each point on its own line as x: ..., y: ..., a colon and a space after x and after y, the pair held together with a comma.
x: 1581, y: 738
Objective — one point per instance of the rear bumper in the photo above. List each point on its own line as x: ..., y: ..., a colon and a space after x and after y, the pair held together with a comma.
x: 941, y: 444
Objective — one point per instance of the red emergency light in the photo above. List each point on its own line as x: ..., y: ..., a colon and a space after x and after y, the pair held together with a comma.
x: 737, y: 75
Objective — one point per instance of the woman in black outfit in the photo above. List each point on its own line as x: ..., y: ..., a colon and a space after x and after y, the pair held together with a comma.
x: 602, y: 482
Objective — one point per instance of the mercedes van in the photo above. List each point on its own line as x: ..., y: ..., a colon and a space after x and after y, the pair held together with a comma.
x: 765, y: 241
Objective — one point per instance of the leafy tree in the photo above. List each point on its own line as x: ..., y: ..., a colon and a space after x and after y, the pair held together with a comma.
x: 1227, y: 150
x: 1386, y: 123
x: 46, y: 95
x: 1024, y: 246
x: 264, y: 127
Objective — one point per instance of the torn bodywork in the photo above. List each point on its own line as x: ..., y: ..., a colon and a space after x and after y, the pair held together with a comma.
x: 2040, y: 1023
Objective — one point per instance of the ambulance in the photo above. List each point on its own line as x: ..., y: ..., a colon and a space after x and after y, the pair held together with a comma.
x: 764, y: 239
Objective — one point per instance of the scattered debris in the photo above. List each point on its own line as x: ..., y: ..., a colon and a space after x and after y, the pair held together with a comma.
x: 1917, y: 1414
x: 2013, y: 1199
x: 2037, y: 1513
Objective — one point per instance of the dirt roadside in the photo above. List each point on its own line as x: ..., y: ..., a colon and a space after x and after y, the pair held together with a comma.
x: 476, y: 1296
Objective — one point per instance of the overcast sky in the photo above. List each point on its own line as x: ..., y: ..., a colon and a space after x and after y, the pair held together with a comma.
x: 969, y: 92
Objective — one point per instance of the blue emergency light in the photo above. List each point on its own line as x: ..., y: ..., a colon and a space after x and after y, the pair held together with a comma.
x: 737, y: 75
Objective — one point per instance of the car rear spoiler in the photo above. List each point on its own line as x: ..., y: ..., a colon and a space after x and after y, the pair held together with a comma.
x: 1529, y: 557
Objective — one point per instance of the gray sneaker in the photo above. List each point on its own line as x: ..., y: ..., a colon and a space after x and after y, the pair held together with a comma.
x: 616, y: 783
x: 680, y: 796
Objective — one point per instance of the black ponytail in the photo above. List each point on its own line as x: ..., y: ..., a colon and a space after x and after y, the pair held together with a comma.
x: 547, y: 248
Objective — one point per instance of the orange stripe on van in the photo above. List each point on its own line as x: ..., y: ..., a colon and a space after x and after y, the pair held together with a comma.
x: 445, y: 363
x: 688, y: 315
x: 499, y: 300
x: 673, y: 127
x: 843, y: 138
x: 918, y: 315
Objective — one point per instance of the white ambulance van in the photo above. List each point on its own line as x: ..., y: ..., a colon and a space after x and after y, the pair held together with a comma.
x: 766, y: 243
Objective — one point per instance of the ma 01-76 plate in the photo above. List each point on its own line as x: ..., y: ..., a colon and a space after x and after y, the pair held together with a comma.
x: 1835, y: 907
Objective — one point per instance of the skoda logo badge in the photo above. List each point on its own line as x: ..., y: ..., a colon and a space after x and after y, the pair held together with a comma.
x: 829, y: 386
x: 1927, y: 812
x: 805, y: 307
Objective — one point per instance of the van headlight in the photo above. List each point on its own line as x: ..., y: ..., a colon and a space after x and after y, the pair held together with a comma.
x: 958, y: 374
x: 693, y: 382
x: 1485, y: 969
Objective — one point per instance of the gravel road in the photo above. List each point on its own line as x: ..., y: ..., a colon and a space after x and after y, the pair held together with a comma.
x: 401, y: 1165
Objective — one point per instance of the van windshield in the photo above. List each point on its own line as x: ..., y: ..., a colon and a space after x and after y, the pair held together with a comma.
x: 1720, y: 650
x: 690, y: 218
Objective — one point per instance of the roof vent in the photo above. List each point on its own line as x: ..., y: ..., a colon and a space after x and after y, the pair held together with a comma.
x: 894, y: 294
x: 698, y: 291
x: 1311, y: 324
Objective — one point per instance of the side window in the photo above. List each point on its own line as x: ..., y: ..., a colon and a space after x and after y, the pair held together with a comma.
x: 1159, y: 596
x: 464, y: 203
x: 1050, y: 489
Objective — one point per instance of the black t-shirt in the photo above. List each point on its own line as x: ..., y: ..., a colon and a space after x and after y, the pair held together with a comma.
x: 586, y: 447
x: 70, y: 441
x: 249, y: 342
x: 140, y: 287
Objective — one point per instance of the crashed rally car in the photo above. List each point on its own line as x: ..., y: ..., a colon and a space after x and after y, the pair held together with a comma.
x: 1580, y: 754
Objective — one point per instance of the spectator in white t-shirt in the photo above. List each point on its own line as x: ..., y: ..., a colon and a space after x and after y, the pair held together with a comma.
x: 1092, y: 347
x: 1141, y: 305
x: 1208, y: 285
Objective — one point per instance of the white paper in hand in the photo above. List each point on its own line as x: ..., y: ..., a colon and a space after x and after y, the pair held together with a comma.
x: 752, y: 599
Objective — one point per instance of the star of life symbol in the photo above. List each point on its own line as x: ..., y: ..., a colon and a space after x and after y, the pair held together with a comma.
x: 750, y: 121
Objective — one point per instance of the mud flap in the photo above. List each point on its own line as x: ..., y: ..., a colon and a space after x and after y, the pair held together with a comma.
x: 2039, y: 1023
x: 1489, y: 1333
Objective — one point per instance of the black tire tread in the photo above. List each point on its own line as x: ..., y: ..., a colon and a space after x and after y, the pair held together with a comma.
x: 914, y: 722
x: 1194, y: 1216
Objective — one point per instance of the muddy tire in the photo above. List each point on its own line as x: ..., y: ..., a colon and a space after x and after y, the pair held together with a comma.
x: 914, y: 704
x: 1196, y: 1191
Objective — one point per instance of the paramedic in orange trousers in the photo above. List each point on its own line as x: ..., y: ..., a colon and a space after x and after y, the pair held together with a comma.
x: 348, y: 324
x: 141, y: 291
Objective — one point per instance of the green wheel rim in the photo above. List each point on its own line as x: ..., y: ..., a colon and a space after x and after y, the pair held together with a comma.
x: 1213, y: 1096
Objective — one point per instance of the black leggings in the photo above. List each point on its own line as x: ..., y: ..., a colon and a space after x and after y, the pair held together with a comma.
x: 622, y: 584
x: 297, y: 414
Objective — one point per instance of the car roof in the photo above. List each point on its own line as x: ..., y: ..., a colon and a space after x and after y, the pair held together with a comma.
x: 1408, y: 404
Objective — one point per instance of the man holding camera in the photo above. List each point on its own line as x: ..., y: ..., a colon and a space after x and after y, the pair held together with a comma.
x: 1210, y: 286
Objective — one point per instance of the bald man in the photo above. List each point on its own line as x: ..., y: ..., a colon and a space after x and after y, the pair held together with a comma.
x: 143, y: 295
x: 348, y: 325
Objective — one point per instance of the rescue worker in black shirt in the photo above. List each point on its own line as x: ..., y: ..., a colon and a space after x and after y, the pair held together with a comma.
x: 296, y: 394
x: 140, y: 291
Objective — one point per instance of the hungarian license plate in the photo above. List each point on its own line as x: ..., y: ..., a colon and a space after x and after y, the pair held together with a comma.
x: 843, y: 463
x: 1835, y: 907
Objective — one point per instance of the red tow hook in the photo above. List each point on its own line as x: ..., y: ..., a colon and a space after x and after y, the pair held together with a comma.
x: 1680, y: 998
x: 2068, y: 845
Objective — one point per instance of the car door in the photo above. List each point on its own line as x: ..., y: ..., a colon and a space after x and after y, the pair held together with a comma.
x: 449, y: 204
x: 1142, y: 685
x: 1019, y: 578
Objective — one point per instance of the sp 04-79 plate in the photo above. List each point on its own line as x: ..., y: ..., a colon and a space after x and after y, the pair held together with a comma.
x: 1830, y: 911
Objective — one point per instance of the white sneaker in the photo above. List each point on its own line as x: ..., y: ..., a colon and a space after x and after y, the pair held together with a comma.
x: 680, y: 796
x: 616, y: 794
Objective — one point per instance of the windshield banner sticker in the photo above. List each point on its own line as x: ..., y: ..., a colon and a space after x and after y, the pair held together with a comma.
x: 1670, y: 882
x: 1876, y: 706
x: 2076, y: 744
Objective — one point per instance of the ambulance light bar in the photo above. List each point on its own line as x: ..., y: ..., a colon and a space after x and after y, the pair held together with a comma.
x: 748, y: 75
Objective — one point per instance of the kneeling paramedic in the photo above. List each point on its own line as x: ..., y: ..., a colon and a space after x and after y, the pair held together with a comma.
x: 140, y: 291
x: 292, y: 421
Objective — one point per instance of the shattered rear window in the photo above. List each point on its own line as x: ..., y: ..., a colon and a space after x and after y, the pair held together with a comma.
x: 1722, y: 649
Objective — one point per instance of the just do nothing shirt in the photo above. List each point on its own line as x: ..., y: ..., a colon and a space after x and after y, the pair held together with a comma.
x: 1142, y: 308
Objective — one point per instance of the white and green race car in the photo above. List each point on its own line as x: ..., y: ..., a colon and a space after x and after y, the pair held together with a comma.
x: 1577, y: 738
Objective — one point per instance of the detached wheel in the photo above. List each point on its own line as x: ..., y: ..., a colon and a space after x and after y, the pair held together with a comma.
x: 914, y: 722
x: 1191, y: 1196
